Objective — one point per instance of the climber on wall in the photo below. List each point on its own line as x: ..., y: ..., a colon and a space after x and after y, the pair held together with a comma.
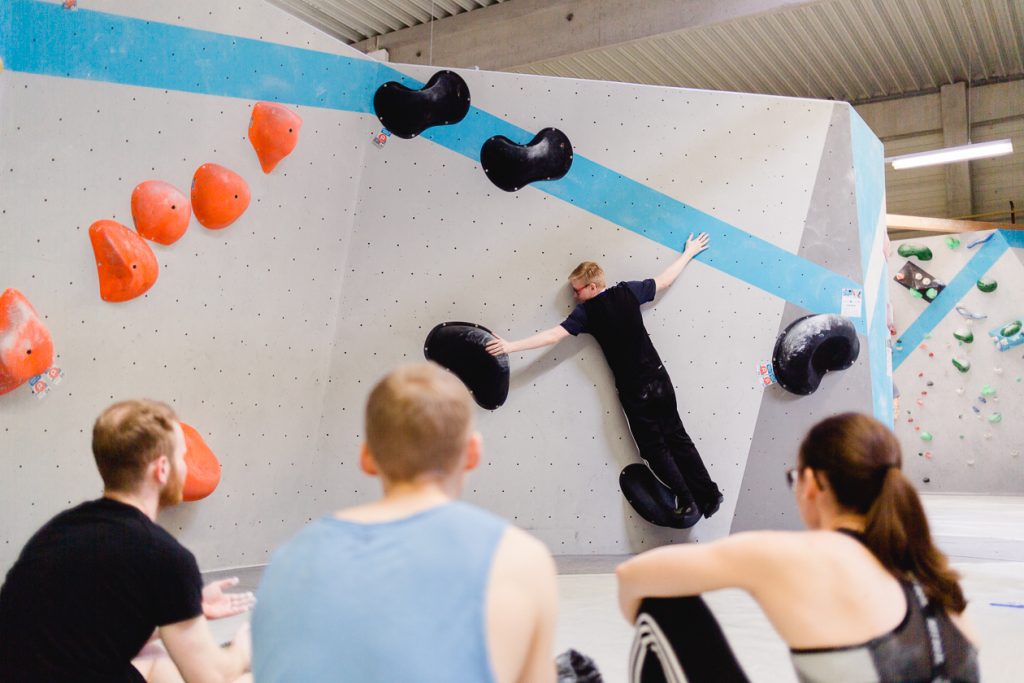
x: 612, y: 315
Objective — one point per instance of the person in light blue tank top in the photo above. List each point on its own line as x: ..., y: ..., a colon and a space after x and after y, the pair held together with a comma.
x: 416, y: 586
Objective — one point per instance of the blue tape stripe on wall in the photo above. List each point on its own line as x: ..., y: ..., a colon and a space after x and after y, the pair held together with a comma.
x: 869, y: 181
x: 1014, y: 238
x: 949, y: 297
x: 93, y: 45
x: 43, y: 38
x: 878, y: 352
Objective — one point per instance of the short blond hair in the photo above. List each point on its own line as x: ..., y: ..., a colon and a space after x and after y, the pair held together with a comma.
x: 128, y: 436
x: 418, y: 421
x: 588, y: 273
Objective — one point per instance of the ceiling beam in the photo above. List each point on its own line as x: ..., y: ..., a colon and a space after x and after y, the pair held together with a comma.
x: 894, y: 221
x: 515, y: 33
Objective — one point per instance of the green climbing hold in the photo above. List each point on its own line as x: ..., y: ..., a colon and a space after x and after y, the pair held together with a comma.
x: 926, y: 436
x: 964, y: 334
x: 952, y: 242
x: 931, y: 293
x: 916, y: 250
x: 995, y: 417
x: 916, y: 294
x: 1011, y: 329
x: 987, y: 285
x: 962, y: 364
x: 987, y: 390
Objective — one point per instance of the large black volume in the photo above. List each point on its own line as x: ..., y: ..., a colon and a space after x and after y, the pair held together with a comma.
x: 444, y: 100
x: 460, y: 347
x: 510, y: 166
x: 812, y: 346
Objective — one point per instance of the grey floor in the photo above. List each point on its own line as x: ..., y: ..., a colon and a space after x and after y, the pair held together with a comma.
x: 983, y: 535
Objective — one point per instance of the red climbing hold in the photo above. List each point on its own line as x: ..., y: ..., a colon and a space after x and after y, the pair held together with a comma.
x: 203, y: 467
x: 126, y: 265
x: 273, y: 132
x: 160, y: 211
x: 26, y: 348
x: 219, y: 196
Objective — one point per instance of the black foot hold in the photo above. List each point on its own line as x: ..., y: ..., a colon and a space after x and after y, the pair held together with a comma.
x: 444, y: 100
x: 459, y: 347
x: 654, y: 501
x: 510, y: 166
x: 812, y: 346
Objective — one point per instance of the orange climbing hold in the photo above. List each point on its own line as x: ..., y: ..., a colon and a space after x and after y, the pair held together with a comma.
x: 126, y: 265
x: 160, y: 211
x: 273, y: 132
x: 203, y: 467
x: 219, y: 196
x: 26, y: 348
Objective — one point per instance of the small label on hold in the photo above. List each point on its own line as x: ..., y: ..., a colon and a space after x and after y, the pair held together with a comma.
x: 380, y: 139
x: 766, y: 374
x: 41, y: 383
x: 853, y: 300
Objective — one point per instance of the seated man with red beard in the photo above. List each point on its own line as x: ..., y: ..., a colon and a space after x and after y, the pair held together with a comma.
x: 92, y: 586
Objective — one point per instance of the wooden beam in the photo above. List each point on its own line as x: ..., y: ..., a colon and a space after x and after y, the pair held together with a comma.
x: 515, y: 33
x: 894, y: 221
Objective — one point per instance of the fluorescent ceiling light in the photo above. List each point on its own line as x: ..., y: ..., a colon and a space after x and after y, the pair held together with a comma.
x: 948, y: 155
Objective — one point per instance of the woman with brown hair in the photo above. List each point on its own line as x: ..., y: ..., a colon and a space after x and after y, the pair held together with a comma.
x: 864, y: 595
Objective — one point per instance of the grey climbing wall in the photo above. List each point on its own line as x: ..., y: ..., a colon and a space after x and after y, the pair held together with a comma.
x: 961, y: 432
x: 268, y: 335
x: 783, y: 418
x: 434, y: 241
x: 236, y: 333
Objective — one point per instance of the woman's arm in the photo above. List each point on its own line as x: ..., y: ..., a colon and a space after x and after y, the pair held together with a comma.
x: 744, y: 560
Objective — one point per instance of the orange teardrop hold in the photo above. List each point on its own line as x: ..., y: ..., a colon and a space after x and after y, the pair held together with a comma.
x: 203, y: 467
x: 26, y: 348
x: 126, y: 265
x: 273, y: 132
x: 219, y: 196
x: 160, y: 211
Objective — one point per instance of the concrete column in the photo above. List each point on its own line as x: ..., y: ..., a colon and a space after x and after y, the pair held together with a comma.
x: 953, y: 99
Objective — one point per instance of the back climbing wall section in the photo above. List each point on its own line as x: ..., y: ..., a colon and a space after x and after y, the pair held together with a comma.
x: 959, y: 360
x: 236, y: 332
x: 775, y: 181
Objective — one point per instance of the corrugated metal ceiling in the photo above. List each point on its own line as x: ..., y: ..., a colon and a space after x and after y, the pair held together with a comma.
x: 355, y: 20
x: 854, y: 50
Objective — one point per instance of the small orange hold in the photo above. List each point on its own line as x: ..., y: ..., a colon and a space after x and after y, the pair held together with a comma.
x: 126, y: 265
x: 203, y: 467
x: 273, y: 132
x: 219, y: 196
x: 26, y: 348
x: 160, y: 211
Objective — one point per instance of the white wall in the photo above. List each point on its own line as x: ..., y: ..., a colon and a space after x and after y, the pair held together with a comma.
x: 236, y: 333
x: 267, y: 336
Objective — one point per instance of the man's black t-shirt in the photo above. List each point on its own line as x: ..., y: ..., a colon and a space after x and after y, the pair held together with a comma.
x: 613, y: 318
x: 87, y: 592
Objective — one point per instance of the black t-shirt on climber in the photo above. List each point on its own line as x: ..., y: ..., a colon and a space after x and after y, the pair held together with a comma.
x: 613, y: 317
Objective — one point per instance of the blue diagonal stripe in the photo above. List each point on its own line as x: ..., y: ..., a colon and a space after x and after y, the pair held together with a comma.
x: 38, y: 37
x: 949, y: 297
x: 869, y: 182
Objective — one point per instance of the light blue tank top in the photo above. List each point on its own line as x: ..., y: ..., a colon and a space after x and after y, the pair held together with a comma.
x: 390, y: 602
